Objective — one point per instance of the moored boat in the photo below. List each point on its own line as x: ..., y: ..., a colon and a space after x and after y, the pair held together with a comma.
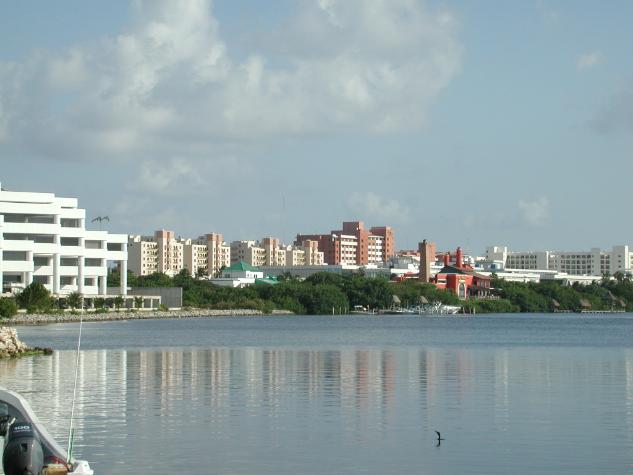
x: 27, y: 447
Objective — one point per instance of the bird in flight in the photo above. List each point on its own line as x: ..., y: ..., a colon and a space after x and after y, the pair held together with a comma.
x: 439, y: 438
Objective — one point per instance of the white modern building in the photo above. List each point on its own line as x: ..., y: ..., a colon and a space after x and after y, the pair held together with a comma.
x: 594, y: 262
x: 43, y: 238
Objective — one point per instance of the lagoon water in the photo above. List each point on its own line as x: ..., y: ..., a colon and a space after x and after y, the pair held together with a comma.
x: 528, y: 394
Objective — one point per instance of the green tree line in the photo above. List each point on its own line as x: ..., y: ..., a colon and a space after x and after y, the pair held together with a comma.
x: 324, y: 292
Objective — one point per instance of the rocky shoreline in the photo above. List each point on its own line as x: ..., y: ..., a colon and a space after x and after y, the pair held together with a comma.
x: 12, y: 347
x: 40, y: 319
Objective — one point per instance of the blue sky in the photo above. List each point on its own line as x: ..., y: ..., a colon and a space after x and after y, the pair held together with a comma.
x: 466, y: 123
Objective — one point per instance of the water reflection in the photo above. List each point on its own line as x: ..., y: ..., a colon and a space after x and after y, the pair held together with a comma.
x: 243, y: 408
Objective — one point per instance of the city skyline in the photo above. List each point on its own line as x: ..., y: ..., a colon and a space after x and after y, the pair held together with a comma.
x: 466, y: 125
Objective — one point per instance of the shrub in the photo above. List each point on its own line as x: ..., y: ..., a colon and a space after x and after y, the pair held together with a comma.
x: 35, y: 297
x: 118, y: 302
x: 8, y: 307
x: 74, y: 300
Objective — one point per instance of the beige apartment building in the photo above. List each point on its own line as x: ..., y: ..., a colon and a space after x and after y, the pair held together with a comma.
x: 165, y: 253
x: 249, y: 252
x: 218, y: 253
x: 159, y: 253
x: 196, y: 257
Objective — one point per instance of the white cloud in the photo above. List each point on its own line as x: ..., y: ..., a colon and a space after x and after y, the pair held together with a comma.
x: 536, y: 212
x: 380, y: 210
x: 169, y: 87
x: 165, y: 179
x: 589, y: 60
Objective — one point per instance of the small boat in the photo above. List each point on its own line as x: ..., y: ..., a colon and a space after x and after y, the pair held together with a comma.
x: 28, y: 448
x: 438, y: 308
x: 360, y: 310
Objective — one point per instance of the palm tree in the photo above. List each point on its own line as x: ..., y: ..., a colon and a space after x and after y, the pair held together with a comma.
x: 118, y: 302
x: 75, y: 300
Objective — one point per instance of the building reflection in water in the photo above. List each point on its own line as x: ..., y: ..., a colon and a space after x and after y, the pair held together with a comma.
x: 133, y: 394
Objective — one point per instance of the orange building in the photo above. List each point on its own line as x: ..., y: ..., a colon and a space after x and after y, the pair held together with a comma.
x: 461, y: 278
x: 354, y: 244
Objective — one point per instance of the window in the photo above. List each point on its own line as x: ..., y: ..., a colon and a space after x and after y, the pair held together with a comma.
x: 112, y: 246
x: 41, y: 279
x: 68, y: 241
x: 66, y: 280
x: 14, y: 255
x: 70, y: 223
x: 91, y: 244
x: 92, y: 262
x: 69, y: 261
x: 41, y: 261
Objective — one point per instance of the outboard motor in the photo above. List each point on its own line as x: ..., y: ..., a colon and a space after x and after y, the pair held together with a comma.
x: 23, y: 454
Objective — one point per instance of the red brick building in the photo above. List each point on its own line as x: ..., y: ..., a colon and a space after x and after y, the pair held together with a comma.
x: 461, y: 278
x: 354, y: 244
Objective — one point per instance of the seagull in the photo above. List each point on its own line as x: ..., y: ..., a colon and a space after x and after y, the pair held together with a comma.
x: 439, y: 438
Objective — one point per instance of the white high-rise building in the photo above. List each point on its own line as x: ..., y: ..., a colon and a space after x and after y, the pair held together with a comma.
x: 43, y: 238
x: 594, y: 262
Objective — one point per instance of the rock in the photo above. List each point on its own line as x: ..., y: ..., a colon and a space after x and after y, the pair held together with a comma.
x: 10, y: 345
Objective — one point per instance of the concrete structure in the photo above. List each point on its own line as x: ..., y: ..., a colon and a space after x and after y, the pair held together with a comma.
x: 354, y: 244
x: 427, y: 257
x: 43, y: 238
x: 594, y: 262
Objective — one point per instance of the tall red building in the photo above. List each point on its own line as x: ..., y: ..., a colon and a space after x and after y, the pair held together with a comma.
x: 354, y: 244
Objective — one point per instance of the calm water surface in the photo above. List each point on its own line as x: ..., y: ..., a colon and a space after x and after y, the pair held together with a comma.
x: 340, y: 395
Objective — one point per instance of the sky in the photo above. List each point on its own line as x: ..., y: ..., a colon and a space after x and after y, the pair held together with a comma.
x: 464, y: 123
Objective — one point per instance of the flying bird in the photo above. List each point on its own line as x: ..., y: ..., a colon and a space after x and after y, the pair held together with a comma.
x: 439, y: 438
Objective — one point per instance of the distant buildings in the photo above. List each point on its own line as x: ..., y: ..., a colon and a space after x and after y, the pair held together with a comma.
x: 354, y: 244
x: 43, y: 238
x: 209, y: 254
x: 165, y: 253
x: 593, y: 262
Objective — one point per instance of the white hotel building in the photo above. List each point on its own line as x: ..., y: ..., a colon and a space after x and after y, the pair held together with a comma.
x: 43, y: 238
x: 594, y: 262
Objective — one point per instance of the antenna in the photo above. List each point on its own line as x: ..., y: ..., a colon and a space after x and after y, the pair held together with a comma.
x: 283, y: 218
x: 72, y: 410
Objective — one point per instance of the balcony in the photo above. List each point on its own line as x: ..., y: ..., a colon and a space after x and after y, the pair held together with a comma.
x: 17, y: 266
x: 68, y: 270
x: 43, y: 270
x: 22, y: 245
x: 95, y: 271
x: 71, y: 232
x: 30, y: 228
